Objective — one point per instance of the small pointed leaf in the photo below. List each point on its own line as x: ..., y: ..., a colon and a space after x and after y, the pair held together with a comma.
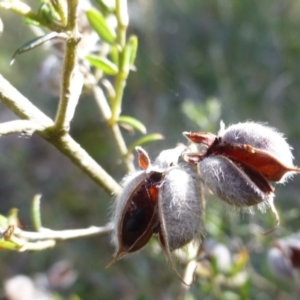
x: 47, y: 12
x: 134, y: 123
x: 133, y: 42
x: 146, y: 139
x: 33, y: 44
x: 29, y: 21
x: 103, y: 63
x: 126, y: 58
x: 114, y: 55
x: 100, y: 25
x: 36, y: 212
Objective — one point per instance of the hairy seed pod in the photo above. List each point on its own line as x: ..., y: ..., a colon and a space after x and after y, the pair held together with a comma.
x: 230, y: 183
x: 135, y: 214
x: 162, y: 199
x: 239, y: 164
x: 261, y: 137
x: 180, y: 209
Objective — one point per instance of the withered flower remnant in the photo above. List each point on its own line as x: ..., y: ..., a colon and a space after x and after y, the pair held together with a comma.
x: 239, y: 164
x: 164, y: 199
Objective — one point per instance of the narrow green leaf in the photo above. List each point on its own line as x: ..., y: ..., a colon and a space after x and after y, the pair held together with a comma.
x: 103, y: 63
x: 60, y: 7
x: 29, y: 21
x: 146, y: 139
x: 47, y: 12
x: 133, y: 41
x: 134, y: 123
x: 36, y: 212
x: 129, y: 54
x: 33, y: 44
x: 98, y: 22
x: 125, y: 58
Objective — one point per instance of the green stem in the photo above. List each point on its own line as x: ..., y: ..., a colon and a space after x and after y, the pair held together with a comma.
x: 122, y: 18
x: 69, y: 95
x: 48, y: 234
x: 116, y: 134
x: 72, y: 14
x: 117, y: 101
x: 61, y: 9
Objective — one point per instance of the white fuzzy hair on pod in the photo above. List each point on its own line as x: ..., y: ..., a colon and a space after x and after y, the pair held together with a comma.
x: 262, y: 137
x: 180, y: 208
x: 230, y: 183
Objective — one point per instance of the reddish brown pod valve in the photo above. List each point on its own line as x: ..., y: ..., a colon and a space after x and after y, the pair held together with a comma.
x: 163, y: 199
x: 239, y: 164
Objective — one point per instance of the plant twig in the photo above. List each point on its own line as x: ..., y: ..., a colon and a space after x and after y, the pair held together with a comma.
x: 47, y: 238
x: 114, y: 128
x: 23, y: 108
x: 61, y: 235
x: 67, y: 145
x: 122, y: 18
x: 71, y: 80
x: 19, y: 126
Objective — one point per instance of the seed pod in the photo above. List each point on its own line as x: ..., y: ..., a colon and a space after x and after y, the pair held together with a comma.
x: 239, y: 163
x: 135, y: 215
x: 262, y: 137
x: 162, y: 199
x: 180, y: 209
x: 230, y: 183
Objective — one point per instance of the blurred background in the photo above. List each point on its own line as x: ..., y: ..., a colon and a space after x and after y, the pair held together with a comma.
x: 198, y: 62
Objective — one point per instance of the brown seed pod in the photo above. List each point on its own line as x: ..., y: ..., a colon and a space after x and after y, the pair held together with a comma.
x: 263, y: 137
x: 230, y: 183
x: 180, y: 209
x: 162, y: 199
x: 239, y: 163
x: 135, y: 215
